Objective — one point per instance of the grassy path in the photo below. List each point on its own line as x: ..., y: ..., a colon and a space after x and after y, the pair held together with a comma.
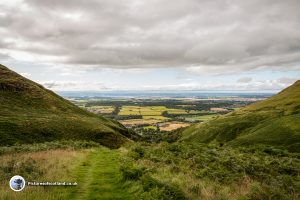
x: 99, y: 177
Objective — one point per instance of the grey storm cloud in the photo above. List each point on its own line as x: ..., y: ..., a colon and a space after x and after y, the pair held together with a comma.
x: 204, y: 36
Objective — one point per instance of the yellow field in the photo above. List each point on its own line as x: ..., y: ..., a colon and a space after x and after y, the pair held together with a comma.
x: 142, y: 110
x: 155, y: 117
x: 130, y: 110
x: 150, y: 127
x: 170, y: 126
x: 135, y: 122
x: 177, y: 111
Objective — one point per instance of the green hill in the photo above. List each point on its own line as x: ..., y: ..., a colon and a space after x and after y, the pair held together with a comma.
x: 30, y: 113
x: 274, y: 121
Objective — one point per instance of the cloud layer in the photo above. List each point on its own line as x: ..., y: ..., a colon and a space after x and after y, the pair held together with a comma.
x: 249, y: 86
x: 203, y: 36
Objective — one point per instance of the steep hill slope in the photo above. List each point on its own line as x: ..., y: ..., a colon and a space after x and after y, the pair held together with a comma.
x: 274, y: 121
x: 30, y: 113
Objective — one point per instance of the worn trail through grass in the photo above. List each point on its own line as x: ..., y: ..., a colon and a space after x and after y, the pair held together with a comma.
x: 99, y: 177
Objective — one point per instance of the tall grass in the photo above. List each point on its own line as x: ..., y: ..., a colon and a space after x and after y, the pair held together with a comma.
x: 195, y: 171
x: 63, y: 144
x: 54, y: 165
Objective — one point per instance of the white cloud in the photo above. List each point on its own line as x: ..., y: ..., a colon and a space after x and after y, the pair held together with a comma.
x: 258, y: 85
x: 262, y: 85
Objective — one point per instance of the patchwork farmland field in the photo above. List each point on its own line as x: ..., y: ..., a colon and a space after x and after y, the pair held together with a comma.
x: 159, y: 117
x: 192, y: 118
x: 137, y: 122
x: 155, y: 110
x: 144, y: 115
x: 101, y: 109
x: 142, y: 110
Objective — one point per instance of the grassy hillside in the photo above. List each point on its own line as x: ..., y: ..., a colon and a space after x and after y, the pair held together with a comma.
x: 30, y: 113
x: 275, y: 121
x: 209, y: 172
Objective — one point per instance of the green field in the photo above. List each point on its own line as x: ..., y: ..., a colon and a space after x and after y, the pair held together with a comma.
x: 176, y: 111
x: 200, y: 117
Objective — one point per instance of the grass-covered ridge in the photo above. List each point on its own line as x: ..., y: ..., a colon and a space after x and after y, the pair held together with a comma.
x: 275, y: 121
x: 30, y: 113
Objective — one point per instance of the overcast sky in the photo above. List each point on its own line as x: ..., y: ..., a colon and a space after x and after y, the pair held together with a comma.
x: 249, y: 45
